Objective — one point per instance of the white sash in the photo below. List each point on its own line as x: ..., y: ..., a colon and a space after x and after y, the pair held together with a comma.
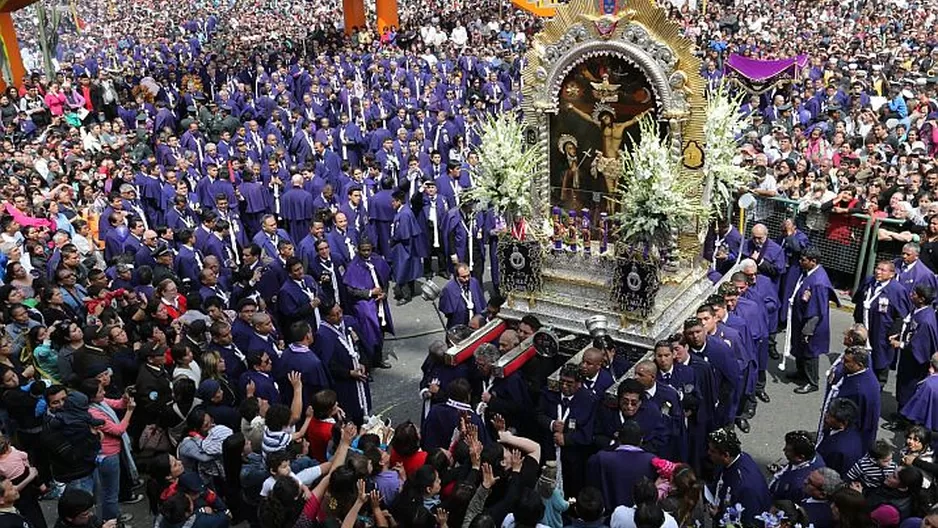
x: 312, y: 297
x: 350, y: 348
x: 374, y: 277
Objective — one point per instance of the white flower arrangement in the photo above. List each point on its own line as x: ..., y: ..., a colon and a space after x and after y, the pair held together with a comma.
x: 502, y: 180
x: 652, y: 197
x: 722, y: 173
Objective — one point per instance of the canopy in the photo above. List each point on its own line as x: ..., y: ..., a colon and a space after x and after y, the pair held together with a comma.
x: 758, y: 76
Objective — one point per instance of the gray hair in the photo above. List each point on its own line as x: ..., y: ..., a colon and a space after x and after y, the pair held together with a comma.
x: 487, y: 353
x: 934, y: 361
x: 913, y: 247
x: 832, y: 480
x: 860, y: 354
x: 748, y: 263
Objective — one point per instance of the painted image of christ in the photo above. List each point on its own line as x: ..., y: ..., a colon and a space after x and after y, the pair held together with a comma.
x: 601, y: 101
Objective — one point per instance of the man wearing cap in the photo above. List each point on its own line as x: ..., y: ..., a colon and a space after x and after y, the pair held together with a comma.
x: 163, y: 264
x: 153, y: 390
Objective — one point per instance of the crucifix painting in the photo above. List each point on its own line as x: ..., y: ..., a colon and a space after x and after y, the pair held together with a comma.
x: 601, y: 102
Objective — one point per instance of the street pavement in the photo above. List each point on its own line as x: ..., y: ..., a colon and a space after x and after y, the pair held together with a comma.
x: 394, y: 391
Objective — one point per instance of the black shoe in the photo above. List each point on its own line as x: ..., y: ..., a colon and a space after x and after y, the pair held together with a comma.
x: 807, y: 388
x: 743, y: 425
x: 384, y: 364
x: 763, y: 396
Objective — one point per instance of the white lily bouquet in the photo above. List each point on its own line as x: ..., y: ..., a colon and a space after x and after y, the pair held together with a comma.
x: 502, y: 180
x: 722, y: 173
x: 652, y: 197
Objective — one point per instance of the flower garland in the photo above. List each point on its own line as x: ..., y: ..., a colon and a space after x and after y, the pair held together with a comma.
x: 502, y: 179
x: 652, y: 197
x: 722, y: 173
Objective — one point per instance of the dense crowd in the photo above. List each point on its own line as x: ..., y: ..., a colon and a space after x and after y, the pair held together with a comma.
x: 209, y: 208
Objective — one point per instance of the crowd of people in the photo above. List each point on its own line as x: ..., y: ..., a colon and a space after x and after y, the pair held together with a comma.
x: 209, y: 208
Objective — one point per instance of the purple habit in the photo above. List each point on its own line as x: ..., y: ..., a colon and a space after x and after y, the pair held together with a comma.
x: 923, y: 407
x: 366, y: 310
x: 296, y: 207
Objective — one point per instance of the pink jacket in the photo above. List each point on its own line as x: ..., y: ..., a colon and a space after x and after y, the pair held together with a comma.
x: 111, y: 441
x: 56, y: 103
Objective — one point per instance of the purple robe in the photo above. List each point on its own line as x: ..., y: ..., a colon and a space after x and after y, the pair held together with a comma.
x: 358, y: 276
x: 862, y: 388
x: 881, y: 308
x: 841, y: 449
x: 727, y: 380
x: 406, y: 251
x: 816, y: 306
x: 616, y: 472
x: 792, y: 245
x: 577, y: 414
x: 340, y: 355
x: 920, y: 339
x: 296, y: 207
x: 453, y: 304
x: 437, y: 428
x: 922, y: 408
x: 914, y: 274
x: 309, y: 365
x: 742, y: 483
x: 732, y: 241
x: 771, y: 261
x: 788, y: 482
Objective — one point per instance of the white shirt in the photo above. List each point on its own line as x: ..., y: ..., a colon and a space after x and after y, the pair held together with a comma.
x: 624, y: 517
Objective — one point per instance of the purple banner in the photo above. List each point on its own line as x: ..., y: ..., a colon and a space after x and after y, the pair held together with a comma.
x: 764, y: 70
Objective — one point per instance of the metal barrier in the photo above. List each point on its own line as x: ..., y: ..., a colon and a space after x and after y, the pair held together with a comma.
x: 848, y: 243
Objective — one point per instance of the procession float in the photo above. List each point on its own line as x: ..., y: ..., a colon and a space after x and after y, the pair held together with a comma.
x: 606, y: 181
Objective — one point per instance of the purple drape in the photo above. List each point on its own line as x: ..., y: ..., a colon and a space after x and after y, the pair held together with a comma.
x: 760, y: 70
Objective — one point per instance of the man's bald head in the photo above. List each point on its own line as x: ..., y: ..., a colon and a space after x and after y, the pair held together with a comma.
x: 508, y: 340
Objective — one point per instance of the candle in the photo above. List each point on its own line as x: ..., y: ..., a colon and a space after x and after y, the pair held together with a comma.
x: 604, y: 227
x: 585, y: 229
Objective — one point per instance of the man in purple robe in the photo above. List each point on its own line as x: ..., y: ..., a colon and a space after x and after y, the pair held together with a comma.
x: 507, y: 396
x: 922, y: 408
x: 437, y: 375
x: 464, y: 238
x: 839, y: 442
x: 860, y: 386
x: 406, y: 250
x: 338, y: 345
x: 793, y: 243
x: 911, y: 271
x: 299, y: 296
x: 296, y: 208
x: 721, y: 248
x: 768, y: 256
x: 382, y: 215
x: 437, y: 429
x: 462, y: 298
x: 366, y: 278
x: 565, y: 422
x: 757, y: 297
x: 270, y: 236
x: 615, y: 472
x: 881, y: 305
x: 703, y: 341
x: 298, y: 357
x: 809, y: 319
x: 788, y: 482
x: 917, y: 342
x: 738, y: 478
